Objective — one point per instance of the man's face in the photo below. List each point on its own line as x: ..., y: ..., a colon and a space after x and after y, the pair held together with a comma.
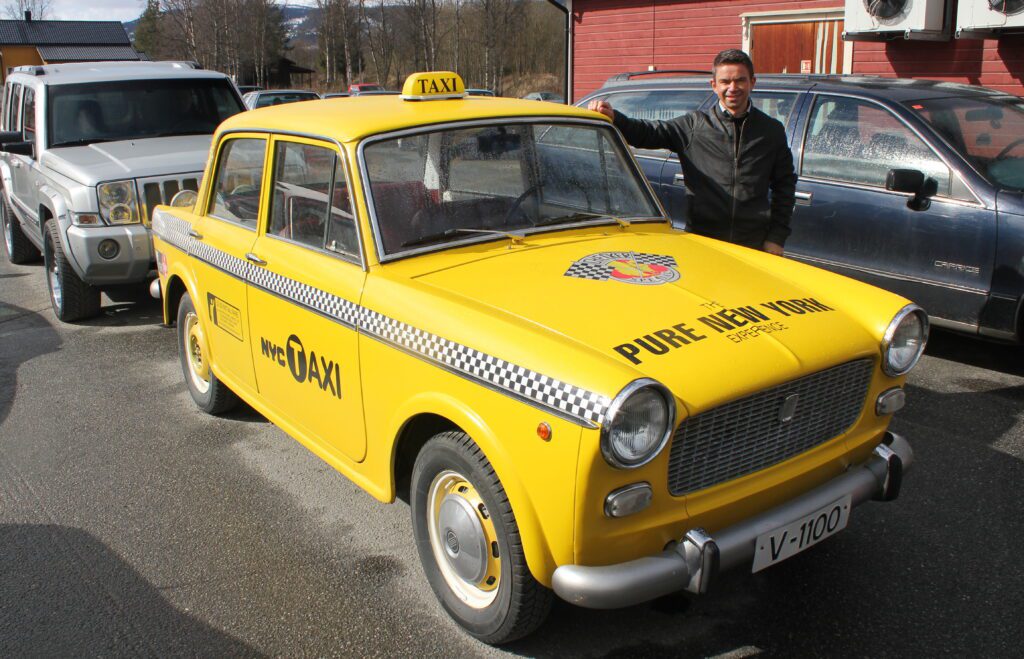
x: 732, y: 83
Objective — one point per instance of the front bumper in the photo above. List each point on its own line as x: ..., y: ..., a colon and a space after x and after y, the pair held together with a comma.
x: 133, y: 262
x: 692, y: 563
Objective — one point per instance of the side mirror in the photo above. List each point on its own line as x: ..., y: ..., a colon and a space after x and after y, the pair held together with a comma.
x: 184, y: 199
x: 10, y: 136
x: 19, y: 148
x: 912, y: 181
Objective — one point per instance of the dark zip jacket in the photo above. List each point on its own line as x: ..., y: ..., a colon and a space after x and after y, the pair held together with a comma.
x: 730, y: 166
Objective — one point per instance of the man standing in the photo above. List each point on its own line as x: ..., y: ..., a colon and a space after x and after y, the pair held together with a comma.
x: 732, y: 156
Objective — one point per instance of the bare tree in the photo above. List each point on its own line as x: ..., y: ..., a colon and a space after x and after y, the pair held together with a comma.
x: 16, y: 9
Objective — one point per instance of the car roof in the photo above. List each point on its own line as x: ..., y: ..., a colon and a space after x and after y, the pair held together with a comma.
x: 878, y: 87
x: 356, y: 117
x: 82, y: 72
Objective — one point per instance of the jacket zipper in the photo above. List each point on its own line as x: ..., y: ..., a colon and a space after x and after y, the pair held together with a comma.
x: 735, y: 176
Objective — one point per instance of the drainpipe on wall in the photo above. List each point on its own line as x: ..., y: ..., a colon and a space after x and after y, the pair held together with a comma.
x: 566, y: 9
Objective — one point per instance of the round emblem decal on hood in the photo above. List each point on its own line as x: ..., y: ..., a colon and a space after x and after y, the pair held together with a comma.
x: 627, y: 267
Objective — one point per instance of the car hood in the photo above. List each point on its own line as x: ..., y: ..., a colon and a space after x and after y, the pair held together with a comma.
x: 108, y: 161
x: 711, y: 321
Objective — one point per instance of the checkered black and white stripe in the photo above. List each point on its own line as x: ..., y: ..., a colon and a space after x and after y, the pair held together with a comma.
x: 569, y: 400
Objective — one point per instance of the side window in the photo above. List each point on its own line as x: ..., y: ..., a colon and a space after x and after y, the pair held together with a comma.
x: 777, y: 105
x: 236, y: 188
x: 29, y: 115
x: 341, y: 229
x: 657, y: 104
x: 859, y: 142
x: 13, y: 106
x: 301, y: 194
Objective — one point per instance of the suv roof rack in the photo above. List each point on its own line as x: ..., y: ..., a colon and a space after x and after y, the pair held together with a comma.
x: 619, y: 77
x: 30, y: 69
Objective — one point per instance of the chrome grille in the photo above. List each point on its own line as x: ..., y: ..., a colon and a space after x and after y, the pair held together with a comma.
x: 160, y: 190
x: 747, y: 435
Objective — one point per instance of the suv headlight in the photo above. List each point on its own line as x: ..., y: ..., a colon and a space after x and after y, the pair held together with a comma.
x: 638, y: 424
x: 904, y: 340
x: 117, y: 202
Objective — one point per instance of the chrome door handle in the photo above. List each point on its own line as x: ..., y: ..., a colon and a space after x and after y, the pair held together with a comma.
x: 255, y: 259
x: 195, y: 234
x: 678, y: 178
x: 804, y: 197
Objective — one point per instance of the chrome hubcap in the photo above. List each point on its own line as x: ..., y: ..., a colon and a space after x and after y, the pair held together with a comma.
x: 8, y: 231
x: 463, y: 539
x: 55, y: 288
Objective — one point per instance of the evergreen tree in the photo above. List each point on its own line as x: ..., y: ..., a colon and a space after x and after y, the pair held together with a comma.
x: 147, y: 32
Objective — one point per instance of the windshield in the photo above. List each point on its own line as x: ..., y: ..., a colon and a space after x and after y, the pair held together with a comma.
x: 263, y: 100
x: 486, y: 182
x: 988, y: 132
x: 122, y: 110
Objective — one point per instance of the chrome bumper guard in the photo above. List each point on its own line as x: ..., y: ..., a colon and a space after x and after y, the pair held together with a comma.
x: 692, y: 563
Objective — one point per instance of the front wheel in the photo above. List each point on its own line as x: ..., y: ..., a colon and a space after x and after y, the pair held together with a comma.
x: 469, y: 544
x: 72, y: 299
x: 209, y: 393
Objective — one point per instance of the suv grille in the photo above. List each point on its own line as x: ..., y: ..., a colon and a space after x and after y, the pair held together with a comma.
x: 748, y: 434
x: 156, y: 191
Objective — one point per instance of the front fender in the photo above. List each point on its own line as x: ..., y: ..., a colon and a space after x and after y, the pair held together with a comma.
x: 532, y: 472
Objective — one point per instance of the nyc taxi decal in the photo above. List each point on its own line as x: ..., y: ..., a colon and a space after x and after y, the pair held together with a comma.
x: 737, y: 324
x: 560, y: 398
x: 626, y: 267
x: 305, y: 367
x: 225, y: 315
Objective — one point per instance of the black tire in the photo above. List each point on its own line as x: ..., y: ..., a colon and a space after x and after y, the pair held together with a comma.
x: 210, y: 394
x: 452, y: 470
x: 17, y: 246
x: 72, y: 298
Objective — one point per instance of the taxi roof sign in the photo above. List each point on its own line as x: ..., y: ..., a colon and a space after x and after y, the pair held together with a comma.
x: 433, y: 86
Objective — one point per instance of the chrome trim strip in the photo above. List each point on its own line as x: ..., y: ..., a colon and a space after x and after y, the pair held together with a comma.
x: 889, y: 275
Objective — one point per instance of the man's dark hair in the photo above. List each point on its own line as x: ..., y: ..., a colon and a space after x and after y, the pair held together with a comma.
x: 732, y: 56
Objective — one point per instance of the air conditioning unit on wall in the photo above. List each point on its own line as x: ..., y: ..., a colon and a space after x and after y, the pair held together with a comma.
x: 879, y: 20
x: 981, y: 18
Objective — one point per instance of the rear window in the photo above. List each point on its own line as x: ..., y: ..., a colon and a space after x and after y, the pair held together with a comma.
x: 265, y: 100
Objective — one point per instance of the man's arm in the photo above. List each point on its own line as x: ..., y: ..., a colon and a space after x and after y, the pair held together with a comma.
x: 783, y: 190
x: 646, y: 134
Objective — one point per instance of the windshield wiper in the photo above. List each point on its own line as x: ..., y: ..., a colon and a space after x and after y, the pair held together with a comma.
x: 516, y: 238
x: 83, y: 142
x: 566, y: 219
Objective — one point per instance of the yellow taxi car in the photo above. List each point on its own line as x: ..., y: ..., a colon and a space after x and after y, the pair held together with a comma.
x: 477, y: 305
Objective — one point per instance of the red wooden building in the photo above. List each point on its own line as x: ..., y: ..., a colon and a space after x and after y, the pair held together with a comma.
x: 794, y: 36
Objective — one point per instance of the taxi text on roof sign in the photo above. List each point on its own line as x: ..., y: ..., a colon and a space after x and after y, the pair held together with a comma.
x: 433, y: 85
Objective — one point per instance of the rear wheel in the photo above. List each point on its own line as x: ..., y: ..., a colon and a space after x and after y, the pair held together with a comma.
x: 469, y: 543
x: 18, y: 247
x: 209, y: 393
x: 72, y: 299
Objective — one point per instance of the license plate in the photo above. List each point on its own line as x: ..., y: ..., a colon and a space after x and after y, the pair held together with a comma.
x: 778, y: 545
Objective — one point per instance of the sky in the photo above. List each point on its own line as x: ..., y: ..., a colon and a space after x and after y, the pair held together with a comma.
x: 103, y: 10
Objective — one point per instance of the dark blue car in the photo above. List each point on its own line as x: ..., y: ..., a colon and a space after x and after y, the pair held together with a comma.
x: 915, y: 186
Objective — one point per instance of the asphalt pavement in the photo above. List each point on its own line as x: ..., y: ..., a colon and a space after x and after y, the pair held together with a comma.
x: 131, y: 524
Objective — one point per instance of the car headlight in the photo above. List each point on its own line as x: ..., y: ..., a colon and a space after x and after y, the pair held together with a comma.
x: 904, y: 340
x: 117, y: 202
x: 638, y: 424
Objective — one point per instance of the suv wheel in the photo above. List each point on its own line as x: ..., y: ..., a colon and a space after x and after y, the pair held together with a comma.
x: 72, y: 298
x: 19, y: 249
x: 469, y: 543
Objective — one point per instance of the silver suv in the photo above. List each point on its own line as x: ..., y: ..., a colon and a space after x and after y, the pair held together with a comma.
x: 86, y: 152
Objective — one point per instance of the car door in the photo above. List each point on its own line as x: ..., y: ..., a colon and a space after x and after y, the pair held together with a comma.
x: 659, y: 104
x: 21, y: 165
x: 304, y: 296
x: 226, y: 233
x: 777, y: 104
x: 845, y: 219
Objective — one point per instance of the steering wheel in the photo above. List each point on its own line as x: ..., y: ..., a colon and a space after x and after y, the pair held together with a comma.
x: 1009, y: 147
x: 532, y: 190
